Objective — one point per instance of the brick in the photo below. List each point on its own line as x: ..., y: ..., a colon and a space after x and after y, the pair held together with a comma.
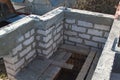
x: 54, y: 45
x: 25, y: 51
x: 49, y: 55
x: 66, y: 26
x: 47, y: 51
x: 38, y: 38
x: 58, y: 24
x: 68, y: 42
x: 70, y: 33
x: 102, y: 27
x: 85, y: 36
x: 19, y: 64
x: 78, y: 29
x: 39, y: 51
x: 98, y: 39
x: 28, y: 41
x: 12, y: 72
x: 27, y: 35
x: 21, y: 39
x: 29, y: 55
x: 59, y: 28
x: 54, y: 32
x: 46, y: 45
x: 85, y: 24
x: 70, y: 21
x: 95, y: 32
x: 43, y: 45
x: 65, y: 37
x: 57, y: 37
x: 106, y: 34
x: 91, y: 43
x: 8, y: 65
x: 75, y: 39
x: 17, y: 49
x: 60, y: 40
x: 11, y: 60
x: 49, y: 43
x: 44, y: 32
x: 32, y: 31
x: 34, y: 44
x: 47, y: 38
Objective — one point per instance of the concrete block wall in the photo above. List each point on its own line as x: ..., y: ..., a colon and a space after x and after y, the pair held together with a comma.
x: 41, y: 35
x: 50, y: 33
x: 22, y: 54
x: 49, y: 40
x: 18, y: 40
x: 30, y: 37
x: 89, y: 30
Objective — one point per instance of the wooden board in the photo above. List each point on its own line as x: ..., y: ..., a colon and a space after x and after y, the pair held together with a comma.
x: 93, y: 66
x: 50, y: 73
x: 85, y: 67
x: 57, y: 61
x: 9, y: 4
x: 62, y: 65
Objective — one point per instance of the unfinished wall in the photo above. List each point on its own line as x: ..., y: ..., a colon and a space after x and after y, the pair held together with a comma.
x: 42, y: 35
x: 50, y: 33
x: 20, y: 44
x: 48, y: 40
x: 85, y: 28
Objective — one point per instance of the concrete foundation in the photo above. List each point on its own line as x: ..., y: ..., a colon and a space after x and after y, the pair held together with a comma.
x: 41, y: 36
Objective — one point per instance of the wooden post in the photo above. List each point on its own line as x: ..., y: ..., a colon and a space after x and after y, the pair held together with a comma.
x: 9, y: 4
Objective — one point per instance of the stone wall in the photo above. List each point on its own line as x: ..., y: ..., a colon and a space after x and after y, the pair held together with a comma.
x: 89, y: 30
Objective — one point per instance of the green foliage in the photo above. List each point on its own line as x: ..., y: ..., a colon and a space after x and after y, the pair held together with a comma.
x: 103, y: 6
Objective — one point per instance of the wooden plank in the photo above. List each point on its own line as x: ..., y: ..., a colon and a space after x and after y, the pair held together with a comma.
x: 85, y: 67
x: 63, y: 65
x: 93, y: 66
x: 58, y: 55
x: 9, y: 4
x: 74, y: 49
x: 67, y: 56
x: 50, y: 73
x: 61, y: 56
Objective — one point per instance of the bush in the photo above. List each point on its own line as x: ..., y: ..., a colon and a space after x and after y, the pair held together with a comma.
x: 103, y: 6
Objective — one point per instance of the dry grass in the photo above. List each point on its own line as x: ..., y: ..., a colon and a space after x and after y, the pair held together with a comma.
x: 103, y: 6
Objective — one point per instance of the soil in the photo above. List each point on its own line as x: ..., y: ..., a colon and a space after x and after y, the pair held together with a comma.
x: 3, y: 75
x: 67, y: 74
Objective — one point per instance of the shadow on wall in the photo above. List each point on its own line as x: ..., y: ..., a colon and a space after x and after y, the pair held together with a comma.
x: 115, y: 74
